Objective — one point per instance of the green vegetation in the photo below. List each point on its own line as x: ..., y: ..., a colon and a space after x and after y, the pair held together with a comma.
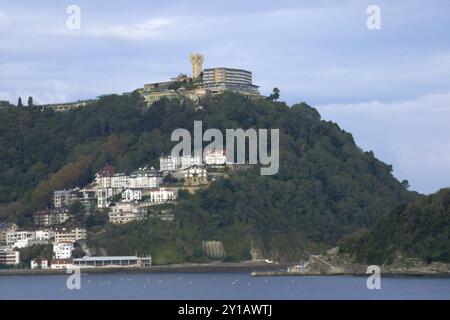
x: 326, y: 187
x: 420, y: 229
x: 44, y: 251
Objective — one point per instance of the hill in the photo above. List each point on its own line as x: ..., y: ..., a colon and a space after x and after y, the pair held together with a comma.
x: 417, y: 230
x: 326, y: 187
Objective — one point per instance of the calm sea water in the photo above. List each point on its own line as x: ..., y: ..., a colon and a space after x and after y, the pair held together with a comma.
x: 220, y: 286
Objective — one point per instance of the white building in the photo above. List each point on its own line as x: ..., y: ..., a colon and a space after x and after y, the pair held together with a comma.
x: 169, y: 164
x: 20, y: 239
x: 39, y: 264
x: 64, y: 198
x: 72, y: 235
x: 62, y: 250
x: 162, y: 195
x: 104, y: 195
x: 44, y: 235
x: 144, y: 178
x: 124, y: 212
x: 9, y: 256
x: 104, y: 175
x: 61, y: 264
x: 215, y: 158
x: 130, y: 195
x: 4, y: 229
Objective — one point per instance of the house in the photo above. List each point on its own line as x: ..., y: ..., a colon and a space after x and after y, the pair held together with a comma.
x: 215, y: 158
x: 62, y: 250
x: 124, y: 212
x: 64, y: 198
x: 4, y: 228
x: 40, y: 263
x: 194, y: 175
x: 20, y: 239
x: 145, y: 178
x: 9, y: 256
x: 130, y: 195
x: 70, y: 235
x: 104, y: 175
x: 56, y: 264
x: 170, y: 164
x: 161, y: 195
x: 104, y: 196
x: 44, y: 235
x: 51, y: 217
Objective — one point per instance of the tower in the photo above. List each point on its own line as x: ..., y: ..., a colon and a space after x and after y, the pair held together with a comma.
x: 197, y: 62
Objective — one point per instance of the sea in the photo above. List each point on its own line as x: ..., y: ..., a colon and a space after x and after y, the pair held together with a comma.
x: 221, y: 286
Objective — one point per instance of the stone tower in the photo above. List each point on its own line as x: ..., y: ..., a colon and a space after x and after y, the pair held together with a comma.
x: 197, y: 62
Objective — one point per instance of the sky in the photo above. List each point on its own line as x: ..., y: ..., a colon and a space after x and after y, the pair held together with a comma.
x: 389, y: 87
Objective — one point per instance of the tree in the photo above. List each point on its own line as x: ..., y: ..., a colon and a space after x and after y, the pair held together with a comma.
x: 275, y: 95
x: 30, y: 101
x: 19, y: 103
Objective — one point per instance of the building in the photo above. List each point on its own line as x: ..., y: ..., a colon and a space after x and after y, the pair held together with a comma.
x: 64, y: 198
x: 4, y: 103
x: 72, y: 235
x: 20, y: 239
x: 124, y: 212
x: 215, y: 158
x: 9, y: 256
x: 57, y: 264
x: 40, y: 263
x: 104, y: 196
x: 62, y: 250
x: 44, y: 235
x: 88, y: 197
x: 4, y: 228
x: 152, y: 96
x: 170, y: 164
x: 144, y: 178
x: 222, y: 79
x: 51, y: 217
x: 194, y: 175
x: 196, y: 60
x: 161, y: 195
x: 131, y: 195
x: 104, y: 175
x: 113, y: 262
x: 59, y: 107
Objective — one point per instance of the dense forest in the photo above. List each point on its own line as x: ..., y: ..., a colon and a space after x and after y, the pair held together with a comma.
x: 420, y: 229
x: 326, y: 187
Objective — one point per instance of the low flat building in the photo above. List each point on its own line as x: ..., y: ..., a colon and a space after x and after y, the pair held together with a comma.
x: 8, y: 256
x: 113, y: 262
x: 57, y: 264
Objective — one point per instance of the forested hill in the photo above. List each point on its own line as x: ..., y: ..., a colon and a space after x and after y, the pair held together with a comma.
x: 326, y: 187
x: 419, y: 230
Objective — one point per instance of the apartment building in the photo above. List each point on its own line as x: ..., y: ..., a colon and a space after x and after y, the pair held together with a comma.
x: 51, y: 217
x: 221, y: 79
x: 70, y: 235
x: 9, y: 256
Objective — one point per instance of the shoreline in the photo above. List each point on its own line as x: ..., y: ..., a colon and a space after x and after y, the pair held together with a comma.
x: 175, y: 268
x: 257, y: 269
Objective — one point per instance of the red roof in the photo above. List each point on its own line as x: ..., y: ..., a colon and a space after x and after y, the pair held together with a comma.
x: 107, y: 171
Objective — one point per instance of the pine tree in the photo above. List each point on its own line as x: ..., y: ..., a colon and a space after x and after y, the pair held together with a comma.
x: 19, y: 103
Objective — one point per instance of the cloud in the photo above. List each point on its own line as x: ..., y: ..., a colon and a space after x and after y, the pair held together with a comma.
x: 151, y: 29
x: 411, y: 135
